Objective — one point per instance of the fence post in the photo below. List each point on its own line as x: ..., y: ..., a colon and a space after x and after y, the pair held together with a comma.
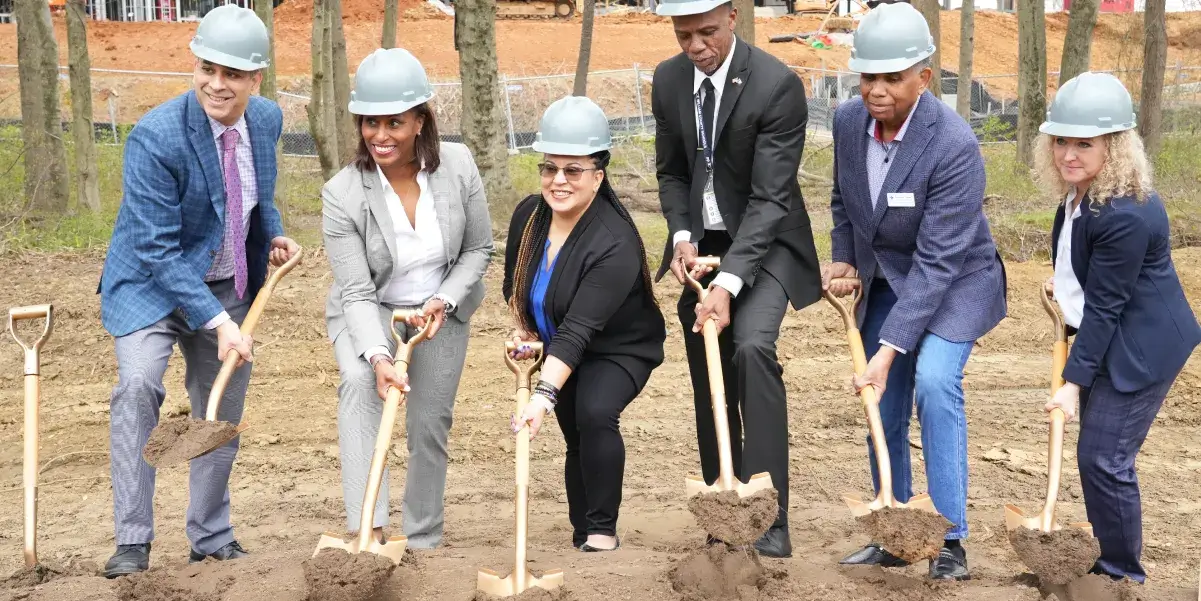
x: 638, y: 96
x: 504, y: 84
x: 112, y: 116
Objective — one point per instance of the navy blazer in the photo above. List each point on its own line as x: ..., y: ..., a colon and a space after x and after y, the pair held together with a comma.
x: 171, y: 221
x: 1138, y: 328
x: 938, y: 255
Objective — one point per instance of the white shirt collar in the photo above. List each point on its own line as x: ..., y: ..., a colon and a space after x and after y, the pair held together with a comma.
x: 421, y: 178
x: 871, y: 123
x: 240, y: 126
x: 1067, y: 204
x: 719, y: 76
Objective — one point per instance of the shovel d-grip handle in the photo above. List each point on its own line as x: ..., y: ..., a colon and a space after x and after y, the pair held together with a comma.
x: 247, y: 328
x: 32, y: 393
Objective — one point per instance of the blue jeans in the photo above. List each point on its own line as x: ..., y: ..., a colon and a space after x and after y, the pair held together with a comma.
x: 932, y: 375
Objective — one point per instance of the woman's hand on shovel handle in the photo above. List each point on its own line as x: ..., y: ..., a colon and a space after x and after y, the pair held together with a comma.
x: 523, y: 351
x: 386, y: 377
x: 1050, y: 286
x: 535, y: 410
x: 434, y: 309
x: 876, y: 374
x: 1066, y: 398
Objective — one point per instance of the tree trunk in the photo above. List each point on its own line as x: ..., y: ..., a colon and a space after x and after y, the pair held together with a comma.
x: 744, y: 26
x: 967, y: 34
x: 327, y: 146
x: 46, y: 184
x: 931, y: 9
x: 1155, y: 58
x: 481, y: 121
x: 580, y: 87
x: 265, y: 9
x: 391, y: 14
x: 347, y: 140
x: 1077, y: 44
x: 1032, y: 76
x: 86, y: 172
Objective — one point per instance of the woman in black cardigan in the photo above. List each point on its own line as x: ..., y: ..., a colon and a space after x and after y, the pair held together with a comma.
x: 576, y: 279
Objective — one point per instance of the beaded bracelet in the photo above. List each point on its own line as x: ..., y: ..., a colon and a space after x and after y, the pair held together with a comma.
x: 547, y: 390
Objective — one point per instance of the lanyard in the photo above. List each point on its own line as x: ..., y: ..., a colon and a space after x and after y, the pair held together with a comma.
x: 700, y: 122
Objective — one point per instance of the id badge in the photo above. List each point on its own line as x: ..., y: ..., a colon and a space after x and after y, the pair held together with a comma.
x: 710, y: 202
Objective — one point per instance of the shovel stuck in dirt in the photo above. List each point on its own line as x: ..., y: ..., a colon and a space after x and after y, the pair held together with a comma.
x: 176, y: 441
x: 912, y: 530
x: 32, y: 395
x: 520, y: 580
x: 1055, y: 556
x: 394, y: 547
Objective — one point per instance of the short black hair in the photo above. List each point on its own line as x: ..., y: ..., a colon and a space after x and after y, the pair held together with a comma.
x: 427, y: 145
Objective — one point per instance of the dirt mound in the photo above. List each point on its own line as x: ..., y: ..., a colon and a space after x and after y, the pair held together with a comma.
x: 162, y: 584
x: 718, y: 571
x: 1092, y: 587
x: 910, y: 534
x: 534, y: 594
x: 1058, y: 557
x: 335, y: 575
x: 732, y: 519
x: 874, y: 582
x: 43, y: 572
x: 176, y: 441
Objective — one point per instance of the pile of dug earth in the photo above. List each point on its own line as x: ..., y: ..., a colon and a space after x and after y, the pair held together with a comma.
x: 728, y: 567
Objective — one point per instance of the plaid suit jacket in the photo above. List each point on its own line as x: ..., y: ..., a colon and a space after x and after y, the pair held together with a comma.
x: 171, y: 221
x: 938, y: 255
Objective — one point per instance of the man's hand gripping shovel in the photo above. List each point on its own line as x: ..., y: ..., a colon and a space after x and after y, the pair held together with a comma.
x: 520, y: 579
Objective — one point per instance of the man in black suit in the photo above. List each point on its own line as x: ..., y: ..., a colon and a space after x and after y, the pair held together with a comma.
x: 733, y: 193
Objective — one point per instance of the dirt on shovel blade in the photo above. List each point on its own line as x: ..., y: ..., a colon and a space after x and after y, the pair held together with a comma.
x: 179, y: 440
x: 1058, y: 557
x: 718, y: 571
x: 910, y: 534
x: 732, y: 519
x: 335, y: 575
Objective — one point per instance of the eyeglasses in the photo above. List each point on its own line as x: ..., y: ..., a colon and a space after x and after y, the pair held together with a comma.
x: 571, y: 172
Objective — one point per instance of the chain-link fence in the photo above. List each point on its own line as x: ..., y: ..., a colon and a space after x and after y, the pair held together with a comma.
x: 121, y: 97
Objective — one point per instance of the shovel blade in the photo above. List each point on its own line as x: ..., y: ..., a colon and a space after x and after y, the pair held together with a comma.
x: 1015, y: 518
x: 695, y: 485
x: 242, y: 427
x: 858, y: 508
x: 491, y: 583
x: 393, y: 548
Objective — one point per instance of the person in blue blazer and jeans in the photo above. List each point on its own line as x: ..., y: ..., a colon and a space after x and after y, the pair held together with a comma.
x: 189, y: 251
x: 1120, y: 296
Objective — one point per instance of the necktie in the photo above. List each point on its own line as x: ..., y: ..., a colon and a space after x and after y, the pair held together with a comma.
x: 707, y: 104
x: 235, y: 238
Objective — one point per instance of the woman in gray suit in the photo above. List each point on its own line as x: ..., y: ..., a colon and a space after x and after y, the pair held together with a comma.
x: 406, y: 226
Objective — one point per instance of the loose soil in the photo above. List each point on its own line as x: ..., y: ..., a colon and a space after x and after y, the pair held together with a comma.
x: 285, y: 488
x: 910, y: 534
x: 161, y: 584
x: 533, y: 594
x: 335, y: 575
x: 1102, y: 588
x: 732, y: 519
x: 1058, y: 557
x: 718, y: 571
x: 176, y: 441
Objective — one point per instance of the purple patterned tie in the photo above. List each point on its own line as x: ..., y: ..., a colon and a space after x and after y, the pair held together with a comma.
x: 235, y: 239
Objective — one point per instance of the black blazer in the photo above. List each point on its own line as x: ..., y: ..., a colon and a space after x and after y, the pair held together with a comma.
x: 1138, y: 327
x: 758, y: 137
x: 596, y: 296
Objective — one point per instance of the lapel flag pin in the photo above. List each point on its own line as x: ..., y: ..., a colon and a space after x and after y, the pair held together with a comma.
x: 736, y: 81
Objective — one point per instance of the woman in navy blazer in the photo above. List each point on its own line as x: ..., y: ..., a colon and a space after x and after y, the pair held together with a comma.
x: 1120, y: 296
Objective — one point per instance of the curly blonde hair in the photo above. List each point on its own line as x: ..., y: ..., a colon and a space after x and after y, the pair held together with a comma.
x: 1126, y: 171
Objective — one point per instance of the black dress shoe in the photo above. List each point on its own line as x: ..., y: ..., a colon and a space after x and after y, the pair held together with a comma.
x: 128, y: 559
x: 587, y: 548
x: 231, y: 551
x: 951, y: 564
x: 873, y: 555
x: 775, y: 542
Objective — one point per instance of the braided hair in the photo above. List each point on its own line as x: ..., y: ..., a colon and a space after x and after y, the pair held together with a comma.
x: 533, y: 237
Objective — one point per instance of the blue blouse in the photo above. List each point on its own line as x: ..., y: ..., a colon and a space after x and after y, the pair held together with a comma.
x: 546, y: 328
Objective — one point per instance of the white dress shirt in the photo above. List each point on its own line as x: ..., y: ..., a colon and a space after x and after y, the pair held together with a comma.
x: 223, y: 262
x: 726, y: 280
x: 1068, y: 293
x: 421, y: 259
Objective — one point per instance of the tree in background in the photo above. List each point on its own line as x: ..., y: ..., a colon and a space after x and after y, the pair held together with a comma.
x: 391, y: 13
x: 744, y: 25
x: 931, y: 10
x: 265, y: 9
x: 1032, y: 76
x: 580, y: 87
x: 1078, y: 42
x: 481, y: 117
x: 967, y: 43
x: 348, y: 138
x: 1155, y: 58
x: 320, y: 123
x: 46, y: 184
x: 87, y: 177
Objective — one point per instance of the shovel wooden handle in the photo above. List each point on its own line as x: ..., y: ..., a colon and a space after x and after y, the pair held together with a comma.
x: 1059, y: 359
x: 875, y: 424
x: 521, y: 498
x: 32, y: 395
x: 247, y: 328
x: 717, y: 384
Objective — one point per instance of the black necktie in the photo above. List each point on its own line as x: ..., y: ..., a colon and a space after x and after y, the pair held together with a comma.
x: 707, y: 109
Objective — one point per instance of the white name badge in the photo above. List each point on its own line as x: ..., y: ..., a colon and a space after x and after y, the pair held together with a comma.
x: 900, y: 199
x: 710, y: 202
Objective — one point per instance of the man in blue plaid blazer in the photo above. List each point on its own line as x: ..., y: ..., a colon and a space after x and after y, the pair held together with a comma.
x: 190, y: 247
x: 909, y: 222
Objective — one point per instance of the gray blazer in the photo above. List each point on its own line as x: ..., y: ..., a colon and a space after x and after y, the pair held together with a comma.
x: 357, y: 229
x: 938, y: 255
